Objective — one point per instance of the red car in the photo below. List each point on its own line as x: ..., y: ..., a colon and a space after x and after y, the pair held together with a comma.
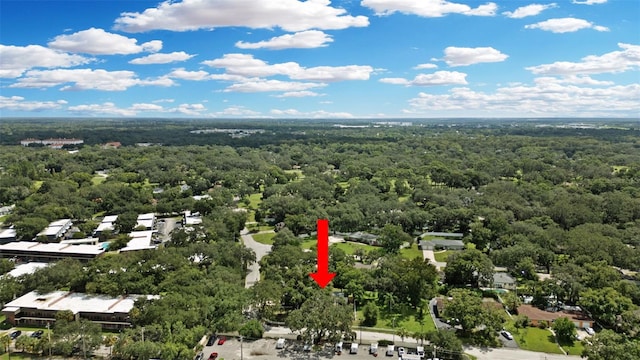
x: 213, y: 356
x: 221, y: 340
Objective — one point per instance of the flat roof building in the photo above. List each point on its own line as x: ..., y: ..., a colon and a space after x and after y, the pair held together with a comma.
x: 140, y: 240
x: 7, y: 235
x: 40, y: 309
x: 56, y: 229
x: 107, y: 224
x: 26, y: 268
x: 35, y: 251
x: 146, y: 220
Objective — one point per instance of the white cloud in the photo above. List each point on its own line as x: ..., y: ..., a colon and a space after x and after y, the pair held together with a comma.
x: 428, y: 8
x: 162, y: 58
x: 189, y: 109
x: 544, y: 98
x: 290, y: 15
x: 18, y: 103
x: 246, y: 65
x: 437, y: 78
x: 107, y: 108
x: 86, y: 79
x: 99, y: 42
x: 564, y: 25
x: 319, y: 114
x: 298, y: 94
x: 261, y: 85
x: 613, y: 62
x: 146, y: 107
x: 15, y: 60
x: 529, y: 10
x: 459, y: 56
x: 164, y: 100
x: 300, y: 40
x: 239, y: 111
x: 426, y: 66
x: 589, y: 2
x: 183, y: 74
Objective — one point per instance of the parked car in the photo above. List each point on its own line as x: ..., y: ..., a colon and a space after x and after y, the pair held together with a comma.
x: 213, y: 356
x: 589, y: 330
x: 506, y: 334
x: 15, y: 334
x: 199, y: 356
x: 211, y: 341
x: 401, y: 351
x: 221, y: 340
x: 37, y: 334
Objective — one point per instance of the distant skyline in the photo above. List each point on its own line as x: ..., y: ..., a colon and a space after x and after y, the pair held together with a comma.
x: 320, y: 58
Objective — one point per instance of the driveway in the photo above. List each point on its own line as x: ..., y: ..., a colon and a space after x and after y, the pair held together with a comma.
x: 261, y: 250
x: 429, y: 255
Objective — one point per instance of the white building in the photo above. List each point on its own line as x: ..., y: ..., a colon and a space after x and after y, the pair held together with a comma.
x: 107, y: 224
x: 140, y: 240
x: 40, y: 309
x: 35, y: 251
x: 7, y: 235
x: 147, y: 220
x: 56, y: 229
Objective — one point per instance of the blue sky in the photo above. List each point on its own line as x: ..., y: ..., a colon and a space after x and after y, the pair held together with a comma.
x: 320, y: 58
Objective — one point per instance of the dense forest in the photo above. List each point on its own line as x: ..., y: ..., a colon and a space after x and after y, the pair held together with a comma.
x: 557, y: 200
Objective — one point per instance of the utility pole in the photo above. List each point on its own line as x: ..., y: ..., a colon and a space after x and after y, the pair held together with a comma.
x: 49, y: 336
x: 394, y: 329
x: 142, y: 330
x: 241, y: 353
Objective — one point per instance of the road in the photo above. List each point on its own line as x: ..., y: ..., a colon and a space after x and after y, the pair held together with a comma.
x: 367, y: 337
x: 261, y: 250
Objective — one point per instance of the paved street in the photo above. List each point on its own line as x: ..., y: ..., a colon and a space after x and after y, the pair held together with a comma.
x: 261, y: 250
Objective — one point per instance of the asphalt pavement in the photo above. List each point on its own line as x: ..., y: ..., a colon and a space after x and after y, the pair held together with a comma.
x: 260, y: 250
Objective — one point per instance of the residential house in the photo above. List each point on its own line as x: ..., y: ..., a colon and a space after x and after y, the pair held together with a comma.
x: 503, y: 280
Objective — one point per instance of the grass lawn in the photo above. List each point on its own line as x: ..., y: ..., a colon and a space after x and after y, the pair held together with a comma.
x: 442, y: 256
x: 255, y: 200
x: 350, y: 248
x: 574, y: 349
x: 264, y: 238
x: 406, y: 320
x: 534, y: 339
x: 37, y: 184
x: 309, y: 244
x: 412, y: 252
x: 98, y: 179
x: 18, y: 355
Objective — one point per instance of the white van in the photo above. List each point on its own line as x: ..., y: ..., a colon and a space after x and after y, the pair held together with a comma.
x: 373, y: 349
x: 420, y: 351
x: 354, y: 348
x: 339, y: 348
x: 391, y: 349
x: 280, y: 343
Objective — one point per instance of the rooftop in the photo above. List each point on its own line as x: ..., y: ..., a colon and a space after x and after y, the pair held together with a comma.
x: 140, y: 240
x: 32, y: 246
x: 76, y: 302
x: 534, y: 313
x: 26, y: 268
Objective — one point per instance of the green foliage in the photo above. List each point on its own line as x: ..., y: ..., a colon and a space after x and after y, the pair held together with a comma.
x: 371, y: 313
x: 321, y: 317
x: 392, y: 237
x: 469, y: 267
x: 607, y: 345
x: 252, y: 329
x: 565, y: 330
x: 605, y: 304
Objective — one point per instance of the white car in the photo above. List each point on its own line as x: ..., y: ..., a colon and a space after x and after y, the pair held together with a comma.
x: 507, y: 334
x: 400, y: 351
x: 589, y: 330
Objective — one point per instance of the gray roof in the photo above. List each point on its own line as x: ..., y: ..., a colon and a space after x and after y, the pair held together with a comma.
x: 503, y: 278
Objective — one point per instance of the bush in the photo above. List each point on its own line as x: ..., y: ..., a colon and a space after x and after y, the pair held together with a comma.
x: 252, y: 329
x: 370, y: 313
x: 543, y: 324
x: 383, y: 343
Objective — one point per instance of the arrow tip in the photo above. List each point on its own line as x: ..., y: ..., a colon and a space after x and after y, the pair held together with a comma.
x: 322, y: 279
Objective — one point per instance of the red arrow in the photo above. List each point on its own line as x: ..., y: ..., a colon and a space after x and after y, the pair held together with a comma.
x: 322, y: 276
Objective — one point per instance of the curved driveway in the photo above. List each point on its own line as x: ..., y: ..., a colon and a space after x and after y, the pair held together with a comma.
x: 261, y: 250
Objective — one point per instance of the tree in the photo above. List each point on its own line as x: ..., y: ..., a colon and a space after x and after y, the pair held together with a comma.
x: 252, y: 329
x: 469, y: 267
x: 447, y: 340
x: 467, y: 310
x: 605, y: 304
x: 565, y: 330
x: 5, y: 341
x: 511, y: 301
x: 370, y: 312
x: 321, y: 316
x: 392, y: 237
x: 607, y: 345
x: 126, y: 222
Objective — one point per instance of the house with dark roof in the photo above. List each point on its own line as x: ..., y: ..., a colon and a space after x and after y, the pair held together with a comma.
x: 536, y: 316
x: 441, y: 244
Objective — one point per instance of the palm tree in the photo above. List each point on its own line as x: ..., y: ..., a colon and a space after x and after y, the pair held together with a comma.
x: 403, y: 333
x: 420, y: 335
x: 109, y: 341
x: 5, y: 341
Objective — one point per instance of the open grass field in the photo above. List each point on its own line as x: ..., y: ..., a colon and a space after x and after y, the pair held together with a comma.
x: 442, y: 256
x: 350, y: 248
x: 575, y: 349
x: 534, y: 339
x: 404, y: 319
x: 412, y: 252
x: 264, y: 238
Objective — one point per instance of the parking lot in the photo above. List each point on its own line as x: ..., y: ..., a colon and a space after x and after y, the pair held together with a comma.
x: 265, y: 349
